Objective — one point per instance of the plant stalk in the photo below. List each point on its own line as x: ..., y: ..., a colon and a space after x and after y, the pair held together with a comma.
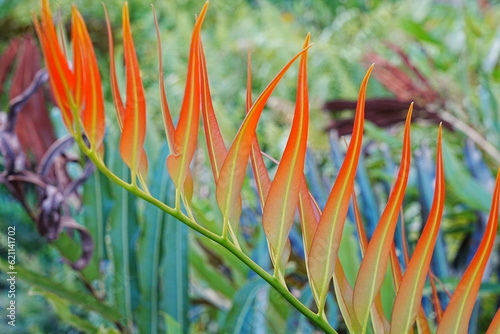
x: 315, y: 318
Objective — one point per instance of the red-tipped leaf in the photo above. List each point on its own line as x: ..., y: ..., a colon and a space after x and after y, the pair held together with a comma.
x: 409, y: 295
x: 233, y: 170
x: 134, y: 120
x: 282, y: 200
x: 62, y: 79
x: 117, y: 100
x: 88, y: 82
x: 457, y: 315
x: 186, y: 132
x: 326, y: 241
x: 374, y: 264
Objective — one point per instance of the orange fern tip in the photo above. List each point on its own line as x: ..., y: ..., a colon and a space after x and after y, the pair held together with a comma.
x: 186, y: 133
x: 88, y: 87
x: 60, y: 75
x: 457, y: 314
x: 134, y: 116
x: 77, y: 89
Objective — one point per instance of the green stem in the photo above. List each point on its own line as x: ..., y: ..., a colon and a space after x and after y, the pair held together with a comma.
x: 278, y: 286
x: 317, y: 319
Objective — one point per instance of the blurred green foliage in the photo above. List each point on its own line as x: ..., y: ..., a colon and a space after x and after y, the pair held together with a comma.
x: 455, y: 45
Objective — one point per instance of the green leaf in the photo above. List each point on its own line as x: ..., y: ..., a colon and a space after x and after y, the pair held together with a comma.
x: 149, y: 247
x: 239, y: 317
x: 84, y: 300
x: 462, y: 185
x: 122, y: 228
x: 174, y: 271
x: 419, y: 32
x: 212, y: 277
x: 97, y: 204
x: 171, y: 325
x: 71, y: 250
x: 63, y: 311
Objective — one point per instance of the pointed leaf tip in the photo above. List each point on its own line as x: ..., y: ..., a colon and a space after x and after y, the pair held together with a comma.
x: 282, y: 200
x: 233, y: 170
x: 186, y: 132
x: 374, y: 264
x: 88, y: 87
x: 326, y: 241
x: 134, y: 121
x: 61, y: 77
x: 409, y: 296
x: 457, y: 315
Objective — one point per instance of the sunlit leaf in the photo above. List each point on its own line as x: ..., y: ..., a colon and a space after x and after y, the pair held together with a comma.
x: 87, y: 82
x: 380, y: 322
x: 282, y: 200
x: 373, y: 267
x: 326, y: 242
x: 457, y: 314
x: 134, y: 121
x: 233, y: 170
x: 186, y: 132
x: 62, y: 79
x: 119, y: 107
x: 409, y: 295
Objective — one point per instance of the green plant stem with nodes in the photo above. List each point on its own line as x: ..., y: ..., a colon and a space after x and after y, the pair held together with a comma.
x: 275, y: 282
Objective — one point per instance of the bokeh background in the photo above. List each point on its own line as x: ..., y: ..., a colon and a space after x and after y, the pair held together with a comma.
x: 443, y: 55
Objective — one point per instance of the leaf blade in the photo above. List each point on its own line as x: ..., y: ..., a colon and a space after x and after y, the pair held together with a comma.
x: 134, y: 121
x: 92, y: 101
x: 457, y: 314
x: 233, y: 170
x: 117, y: 100
x: 186, y: 132
x: 409, y: 295
x: 329, y: 231
x: 283, y: 196
x: 374, y: 264
x: 61, y: 78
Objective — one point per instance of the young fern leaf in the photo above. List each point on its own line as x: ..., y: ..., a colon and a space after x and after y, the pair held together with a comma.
x: 186, y: 132
x: 380, y: 322
x: 374, y: 264
x: 310, y: 215
x: 409, y: 295
x: 88, y: 85
x: 167, y: 116
x: 117, y: 100
x: 261, y: 176
x: 457, y: 315
x: 282, y: 200
x: 397, y: 277
x: 216, y: 148
x: 134, y: 120
x: 62, y: 79
x: 78, y: 57
x: 324, y: 248
x: 422, y: 321
x: 232, y: 172
x: 217, y: 151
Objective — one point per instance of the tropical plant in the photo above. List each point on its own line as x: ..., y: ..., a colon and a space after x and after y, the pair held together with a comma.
x: 77, y: 88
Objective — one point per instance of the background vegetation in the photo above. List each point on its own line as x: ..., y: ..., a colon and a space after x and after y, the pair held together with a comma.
x: 441, y: 54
